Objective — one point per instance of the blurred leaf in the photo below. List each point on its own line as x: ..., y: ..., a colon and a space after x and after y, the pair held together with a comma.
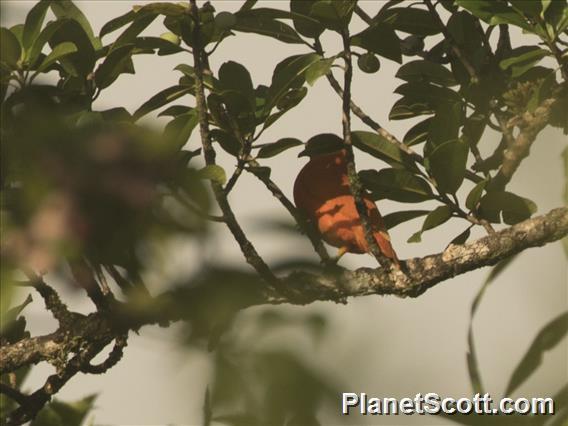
x: 318, y: 69
x: 160, y: 99
x: 58, y: 413
x: 380, y: 39
x: 34, y: 22
x: 426, y: 71
x: 60, y: 51
x: 275, y: 148
x: 393, y: 219
x: 546, y: 339
x: 472, y: 363
x: 410, y: 20
x: 8, y: 327
x: 381, y: 148
x: 11, y: 50
x: 447, y: 165
x: 513, y: 208
x: 524, y: 61
x: 396, y: 184
x: 418, y: 133
x: 435, y: 218
x: 214, y: 173
x: 174, y: 110
x: 252, y: 21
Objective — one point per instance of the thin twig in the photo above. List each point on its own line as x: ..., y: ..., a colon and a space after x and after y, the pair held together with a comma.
x: 306, y: 227
x: 453, y: 43
x: 248, y: 250
x: 354, y: 182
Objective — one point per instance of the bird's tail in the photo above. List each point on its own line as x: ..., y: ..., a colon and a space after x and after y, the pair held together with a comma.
x: 384, y: 243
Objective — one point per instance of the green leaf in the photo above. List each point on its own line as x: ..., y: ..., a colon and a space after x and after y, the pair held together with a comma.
x: 234, y: 76
x: 475, y: 195
x: 60, y: 51
x: 545, y: 340
x: 81, y: 63
x: 34, y: 22
x: 251, y: 21
x: 178, y: 131
x: 381, y: 148
x: 10, y: 49
x: 408, y: 107
x: 426, y: 71
x: 118, y: 22
x: 380, y: 39
x: 311, y: 28
x: 160, y: 99
x: 411, y: 20
x: 461, y: 238
x: 228, y: 142
x: 65, y: 9
x: 435, y: 218
x: 447, y: 165
x: 396, y: 184
x: 472, y: 364
x: 288, y: 74
x: 428, y: 93
x: 523, y: 60
x: 418, y: 133
x: 494, y: 12
x: 333, y: 14
x: 174, y: 111
x: 513, y: 208
x: 129, y: 35
x: 62, y: 413
x: 275, y: 148
x: 115, y: 63
x: 393, y: 219
x: 214, y: 173
x: 318, y: 69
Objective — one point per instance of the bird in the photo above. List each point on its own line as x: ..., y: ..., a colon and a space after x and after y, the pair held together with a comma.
x: 323, y: 195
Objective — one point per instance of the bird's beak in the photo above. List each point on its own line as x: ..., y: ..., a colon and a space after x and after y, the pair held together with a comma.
x: 303, y: 153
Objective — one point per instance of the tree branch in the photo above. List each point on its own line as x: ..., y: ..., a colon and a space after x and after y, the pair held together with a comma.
x: 303, y: 288
x: 251, y: 255
x: 354, y: 183
x: 518, y: 148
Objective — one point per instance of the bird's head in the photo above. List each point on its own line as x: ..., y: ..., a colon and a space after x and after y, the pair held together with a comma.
x: 323, y: 144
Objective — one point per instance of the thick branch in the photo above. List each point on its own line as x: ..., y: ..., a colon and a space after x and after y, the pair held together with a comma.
x: 518, y: 148
x: 303, y: 288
